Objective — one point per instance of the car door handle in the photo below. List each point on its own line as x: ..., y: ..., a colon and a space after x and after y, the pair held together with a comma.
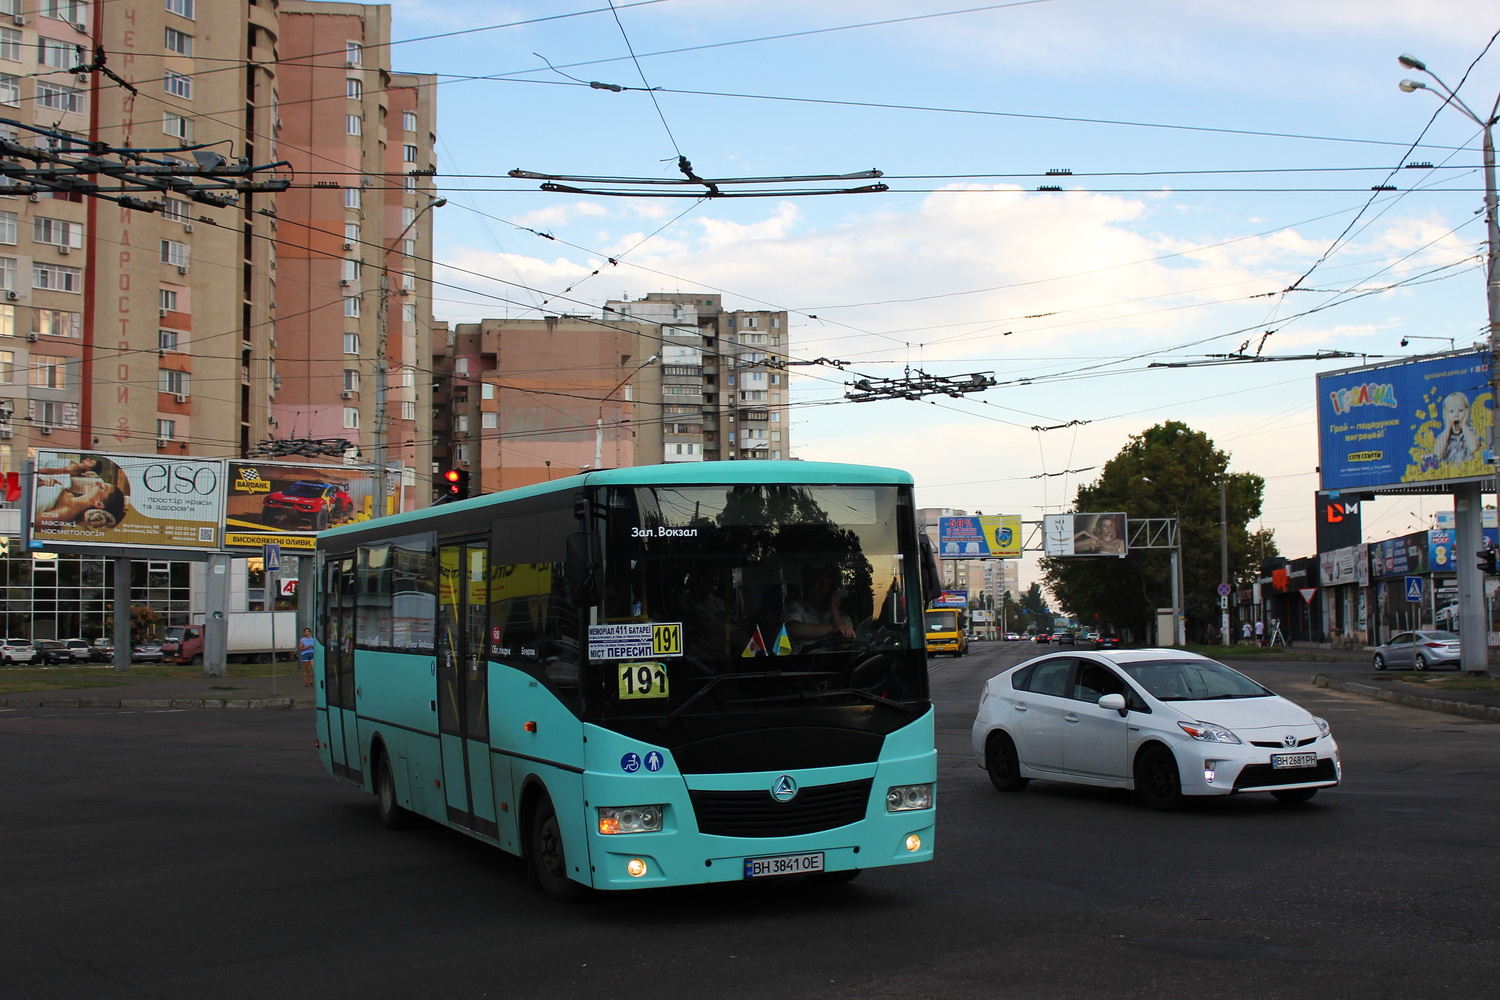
x: 1019, y: 707
x: 1070, y: 717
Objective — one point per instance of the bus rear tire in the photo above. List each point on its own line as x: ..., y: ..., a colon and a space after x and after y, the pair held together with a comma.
x: 544, y: 852
x: 392, y: 815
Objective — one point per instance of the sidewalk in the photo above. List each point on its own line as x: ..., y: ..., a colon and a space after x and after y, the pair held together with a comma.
x: 284, y: 691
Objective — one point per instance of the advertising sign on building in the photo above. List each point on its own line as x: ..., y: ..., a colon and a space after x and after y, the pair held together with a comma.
x: 997, y: 536
x: 1084, y: 534
x: 952, y: 599
x: 1422, y: 421
x: 287, y: 504
x: 99, y: 498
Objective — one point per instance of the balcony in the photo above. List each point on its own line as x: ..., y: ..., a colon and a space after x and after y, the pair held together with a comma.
x: 754, y: 414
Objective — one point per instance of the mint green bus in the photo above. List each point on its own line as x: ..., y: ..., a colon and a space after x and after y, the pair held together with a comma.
x: 656, y: 676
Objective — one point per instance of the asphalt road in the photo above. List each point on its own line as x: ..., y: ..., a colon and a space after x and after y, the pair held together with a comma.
x: 204, y: 853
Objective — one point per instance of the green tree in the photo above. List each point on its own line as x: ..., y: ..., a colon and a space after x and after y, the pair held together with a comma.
x: 145, y: 624
x: 1166, y: 471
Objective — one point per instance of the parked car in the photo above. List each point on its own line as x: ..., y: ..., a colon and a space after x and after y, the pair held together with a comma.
x: 50, y: 651
x: 81, y: 651
x: 103, y: 650
x: 17, y: 651
x: 1163, y: 722
x: 318, y: 503
x: 146, y: 652
x: 1421, y: 649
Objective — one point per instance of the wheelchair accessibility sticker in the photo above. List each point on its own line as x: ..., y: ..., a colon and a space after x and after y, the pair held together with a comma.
x: 631, y: 762
x: 635, y: 640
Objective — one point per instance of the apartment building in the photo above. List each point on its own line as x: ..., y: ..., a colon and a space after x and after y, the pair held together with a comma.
x: 666, y: 378
x: 200, y: 330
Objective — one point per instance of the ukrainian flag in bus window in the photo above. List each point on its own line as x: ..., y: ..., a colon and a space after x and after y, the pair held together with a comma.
x: 783, y: 644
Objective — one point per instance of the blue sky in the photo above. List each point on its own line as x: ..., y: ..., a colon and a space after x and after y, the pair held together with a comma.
x: 1218, y: 153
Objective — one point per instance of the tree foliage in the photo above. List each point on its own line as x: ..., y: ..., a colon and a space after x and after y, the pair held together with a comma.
x: 1169, y: 470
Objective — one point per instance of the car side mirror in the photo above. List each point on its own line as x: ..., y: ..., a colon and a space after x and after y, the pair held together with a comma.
x: 1113, y: 703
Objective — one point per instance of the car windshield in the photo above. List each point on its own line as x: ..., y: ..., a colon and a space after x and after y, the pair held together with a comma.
x: 1192, y: 680
x: 303, y: 490
x: 781, y: 597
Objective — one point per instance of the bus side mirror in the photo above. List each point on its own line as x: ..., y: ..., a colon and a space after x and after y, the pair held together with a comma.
x: 932, y: 580
x: 583, y: 568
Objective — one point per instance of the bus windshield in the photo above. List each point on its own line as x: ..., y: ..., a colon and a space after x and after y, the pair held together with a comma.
x: 763, y: 595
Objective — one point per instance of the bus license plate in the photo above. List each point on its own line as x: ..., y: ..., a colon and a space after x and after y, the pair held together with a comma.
x: 784, y: 864
x: 1279, y: 760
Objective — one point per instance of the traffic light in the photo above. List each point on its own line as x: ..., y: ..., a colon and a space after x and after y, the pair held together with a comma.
x: 458, y: 483
x: 1487, y: 560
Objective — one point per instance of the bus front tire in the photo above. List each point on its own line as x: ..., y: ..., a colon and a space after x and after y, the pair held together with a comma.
x: 544, y: 850
x: 392, y: 815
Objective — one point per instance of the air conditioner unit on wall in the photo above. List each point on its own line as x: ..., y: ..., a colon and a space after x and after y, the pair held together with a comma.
x: 187, y: 227
x: 161, y: 442
x: 182, y: 397
x: 45, y: 429
x: 182, y: 269
x: 19, y: 19
x: 348, y: 394
x: 65, y: 250
x: 162, y: 313
x: 31, y: 337
x: 6, y: 433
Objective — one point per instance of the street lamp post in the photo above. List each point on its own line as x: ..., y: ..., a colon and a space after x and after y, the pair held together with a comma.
x: 1473, y: 621
x: 599, y: 422
x: 382, y: 364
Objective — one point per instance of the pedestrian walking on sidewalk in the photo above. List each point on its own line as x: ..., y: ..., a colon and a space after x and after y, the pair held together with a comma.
x: 305, y: 650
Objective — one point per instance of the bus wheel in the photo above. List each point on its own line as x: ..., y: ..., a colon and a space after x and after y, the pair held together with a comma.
x: 835, y: 878
x: 549, y: 866
x: 392, y: 815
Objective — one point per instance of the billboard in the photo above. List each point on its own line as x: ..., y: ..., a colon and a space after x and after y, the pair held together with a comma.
x: 149, y: 501
x: 1084, y: 534
x: 979, y: 537
x: 289, y: 503
x: 951, y: 599
x: 1424, y: 421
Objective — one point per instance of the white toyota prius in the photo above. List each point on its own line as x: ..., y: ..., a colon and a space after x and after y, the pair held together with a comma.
x: 1163, y: 722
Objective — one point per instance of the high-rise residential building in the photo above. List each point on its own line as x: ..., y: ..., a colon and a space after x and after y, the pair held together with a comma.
x: 666, y: 378
x: 203, y: 330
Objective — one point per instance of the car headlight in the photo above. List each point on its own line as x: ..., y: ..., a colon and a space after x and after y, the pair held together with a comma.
x: 1323, y: 728
x: 1207, y: 732
x: 630, y: 819
x: 904, y: 798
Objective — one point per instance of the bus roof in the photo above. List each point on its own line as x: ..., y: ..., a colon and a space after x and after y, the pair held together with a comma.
x: 667, y: 474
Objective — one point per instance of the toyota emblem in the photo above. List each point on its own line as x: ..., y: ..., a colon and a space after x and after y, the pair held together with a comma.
x: 1289, y: 741
x: 784, y: 788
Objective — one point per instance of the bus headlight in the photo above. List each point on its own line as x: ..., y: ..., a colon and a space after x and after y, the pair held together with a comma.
x: 904, y: 798
x: 629, y: 819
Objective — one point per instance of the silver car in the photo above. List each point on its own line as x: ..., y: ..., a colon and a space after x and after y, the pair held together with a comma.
x: 1421, y: 649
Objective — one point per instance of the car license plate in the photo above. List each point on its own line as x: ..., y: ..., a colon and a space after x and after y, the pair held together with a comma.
x: 1294, y: 760
x: 784, y: 864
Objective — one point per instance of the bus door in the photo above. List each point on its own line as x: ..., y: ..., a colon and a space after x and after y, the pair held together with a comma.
x: 338, y: 666
x: 463, y: 685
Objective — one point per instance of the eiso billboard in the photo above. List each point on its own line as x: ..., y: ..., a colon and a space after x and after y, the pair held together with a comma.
x: 1406, y: 424
x: 98, y: 498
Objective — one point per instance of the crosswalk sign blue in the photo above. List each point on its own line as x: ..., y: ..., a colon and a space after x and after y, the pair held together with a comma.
x: 1414, y: 589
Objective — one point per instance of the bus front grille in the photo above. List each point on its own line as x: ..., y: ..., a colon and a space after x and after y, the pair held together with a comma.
x: 756, y: 814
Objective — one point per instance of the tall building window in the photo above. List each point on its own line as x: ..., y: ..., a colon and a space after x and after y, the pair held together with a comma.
x: 8, y: 228
x: 177, y: 85
x: 179, y: 42
x: 170, y: 380
x: 354, y: 87
x: 351, y: 232
x: 354, y: 53
x: 48, y: 372
x: 58, y: 55
x: 351, y: 270
x: 174, y: 209
x: 56, y: 323
x: 408, y: 121
x: 351, y: 379
x: 56, y: 277
x: 10, y: 44
x: 351, y: 198
x: 7, y: 367
x: 173, y: 252
x: 166, y: 300
x: 408, y: 409
x: 351, y: 343
x: 408, y: 153
x: 7, y: 274
x: 176, y: 126
x: 10, y: 88
x: 166, y: 430
x: 183, y: 8
x: 351, y: 306
x: 351, y: 417
x: 354, y: 125
x: 166, y: 340
x: 72, y: 11
x: 60, y: 98
x: 56, y: 232
x: 7, y: 320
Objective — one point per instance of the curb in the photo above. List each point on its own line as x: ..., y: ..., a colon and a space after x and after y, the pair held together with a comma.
x: 287, y: 703
x: 1484, y: 713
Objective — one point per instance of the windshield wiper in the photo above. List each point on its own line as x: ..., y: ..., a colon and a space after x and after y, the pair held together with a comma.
x: 870, y: 696
x: 708, y: 685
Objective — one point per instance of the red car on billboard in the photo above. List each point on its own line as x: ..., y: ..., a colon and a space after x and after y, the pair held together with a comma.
x: 317, y: 503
